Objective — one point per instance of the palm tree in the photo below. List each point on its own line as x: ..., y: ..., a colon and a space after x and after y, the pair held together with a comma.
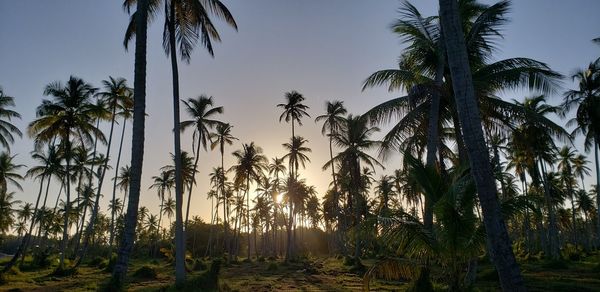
x: 354, y: 138
x: 140, y: 26
x: 220, y: 137
x: 566, y: 161
x: 251, y: 164
x: 69, y: 117
x: 7, y: 129
x: 293, y: 111
x: 7, y: 210
x: 580, y: 168
x: 587, y: 100
x: 116, y: 96
x: 295, y: 155
x: 163, y: 183
x: 201, y: 111
x: 332, y: 121
x: 186, y: 22
x: 122, y: 181
x: 470, y: 121
x: 276, y: 168
x: 169, y: 209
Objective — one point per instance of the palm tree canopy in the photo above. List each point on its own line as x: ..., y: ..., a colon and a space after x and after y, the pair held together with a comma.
x: 7, y: 129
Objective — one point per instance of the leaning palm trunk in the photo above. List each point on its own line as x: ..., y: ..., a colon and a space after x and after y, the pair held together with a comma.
x: 179, y: 233
x: 90, y: 228
x: 498, y: 241
x: 137, y: 145
x: 25, y: 240
x: 114, y: 190
x: 187, y: 210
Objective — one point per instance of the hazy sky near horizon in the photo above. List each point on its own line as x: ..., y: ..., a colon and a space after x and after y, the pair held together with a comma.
x: 321, y: 48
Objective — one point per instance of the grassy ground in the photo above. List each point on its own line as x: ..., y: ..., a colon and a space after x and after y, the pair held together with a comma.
x: 316, y: 274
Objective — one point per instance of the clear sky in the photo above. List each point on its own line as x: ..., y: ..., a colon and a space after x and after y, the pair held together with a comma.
x: 322, y: 48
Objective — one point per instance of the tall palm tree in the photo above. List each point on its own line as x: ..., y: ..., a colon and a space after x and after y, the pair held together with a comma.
x: 566, y: 161
x: 332, y: 120
x: 354, y: 138
x: 580, y: 168
x: 7, y: 217
x: 8, y: 175
x: 69, y: 117
x: 124, y: 180
x: 277, y: 169
x: 296, y: 154
x: 221, y: 137
x: 7, y: 129
x: 117, y: 96
x: 140, y: 26
x: 163, y: 183
x: 202, y: 112
x: 587, y: 100
x: 186, y: 22
x: 293, y: 110
x: 470, y: 121
x: 251, y: 164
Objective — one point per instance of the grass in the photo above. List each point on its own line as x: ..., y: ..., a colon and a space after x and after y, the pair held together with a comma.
x: 314, y: 274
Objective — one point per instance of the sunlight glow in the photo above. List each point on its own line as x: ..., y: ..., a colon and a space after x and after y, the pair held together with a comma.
x: 279, y: 198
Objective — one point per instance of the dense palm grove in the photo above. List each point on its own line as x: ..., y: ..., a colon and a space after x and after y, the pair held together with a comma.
x: 432, y: 210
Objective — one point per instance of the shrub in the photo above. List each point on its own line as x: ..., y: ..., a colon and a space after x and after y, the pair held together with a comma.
x: 41, y: 258
x: 272, y: 267
x: 109, y: 265
x: 272, y: 258
x: 146, y: 272
x: 96, y: 261
x: 261, y: 259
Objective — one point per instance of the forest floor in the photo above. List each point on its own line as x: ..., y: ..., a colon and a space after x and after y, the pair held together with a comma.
x: 316, y: 274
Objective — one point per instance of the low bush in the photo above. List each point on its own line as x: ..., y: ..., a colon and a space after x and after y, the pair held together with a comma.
x: 146, y: 273
x: 272, y: 266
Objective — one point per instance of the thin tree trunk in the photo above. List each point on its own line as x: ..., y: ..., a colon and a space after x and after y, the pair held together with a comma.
x: 498, y: 241
x: 96, y: 209
x: 187, y: 212
x: 248, y: 212
x: 114, y: 190
x: 552, y: 228
x: 433, y: 129
x: 137, y: 145
x: 65, y: 238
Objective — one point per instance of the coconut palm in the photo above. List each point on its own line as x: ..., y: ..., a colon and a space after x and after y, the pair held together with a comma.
x: 186, y: 22
x: 70, y: 118
x: 296, y: 154
x: 117, y: 97
x: 221, y: 137
x: 293, y: 110
x: 587, y: 100
x: 332, y: 121
x: 140, y: 27
x: 251, y: 164
x: 163, y: 184
x: 470, y: 121
x: 202, y: 112
x: 566, y: 161
x: 7, y: 129
x: 354, y: 138
x: 7, y: 209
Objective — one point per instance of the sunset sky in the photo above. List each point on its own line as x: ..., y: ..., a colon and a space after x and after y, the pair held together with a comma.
x: 322, y: 48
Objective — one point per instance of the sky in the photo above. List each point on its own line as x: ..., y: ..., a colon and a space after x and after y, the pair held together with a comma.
x: 322, y: 48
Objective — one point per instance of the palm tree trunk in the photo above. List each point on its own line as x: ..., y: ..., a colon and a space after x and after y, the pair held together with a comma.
x: 137, y: 145
x: 25, y: 240
x: 179, y: 233
x: 498, y: 241
x: 90, y: 227
x: 433, y: 129
x: 248, y: 211
x: 65, y: 238
x: 114, y: 190
x: 187, y: 212
x: 552, y: 228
